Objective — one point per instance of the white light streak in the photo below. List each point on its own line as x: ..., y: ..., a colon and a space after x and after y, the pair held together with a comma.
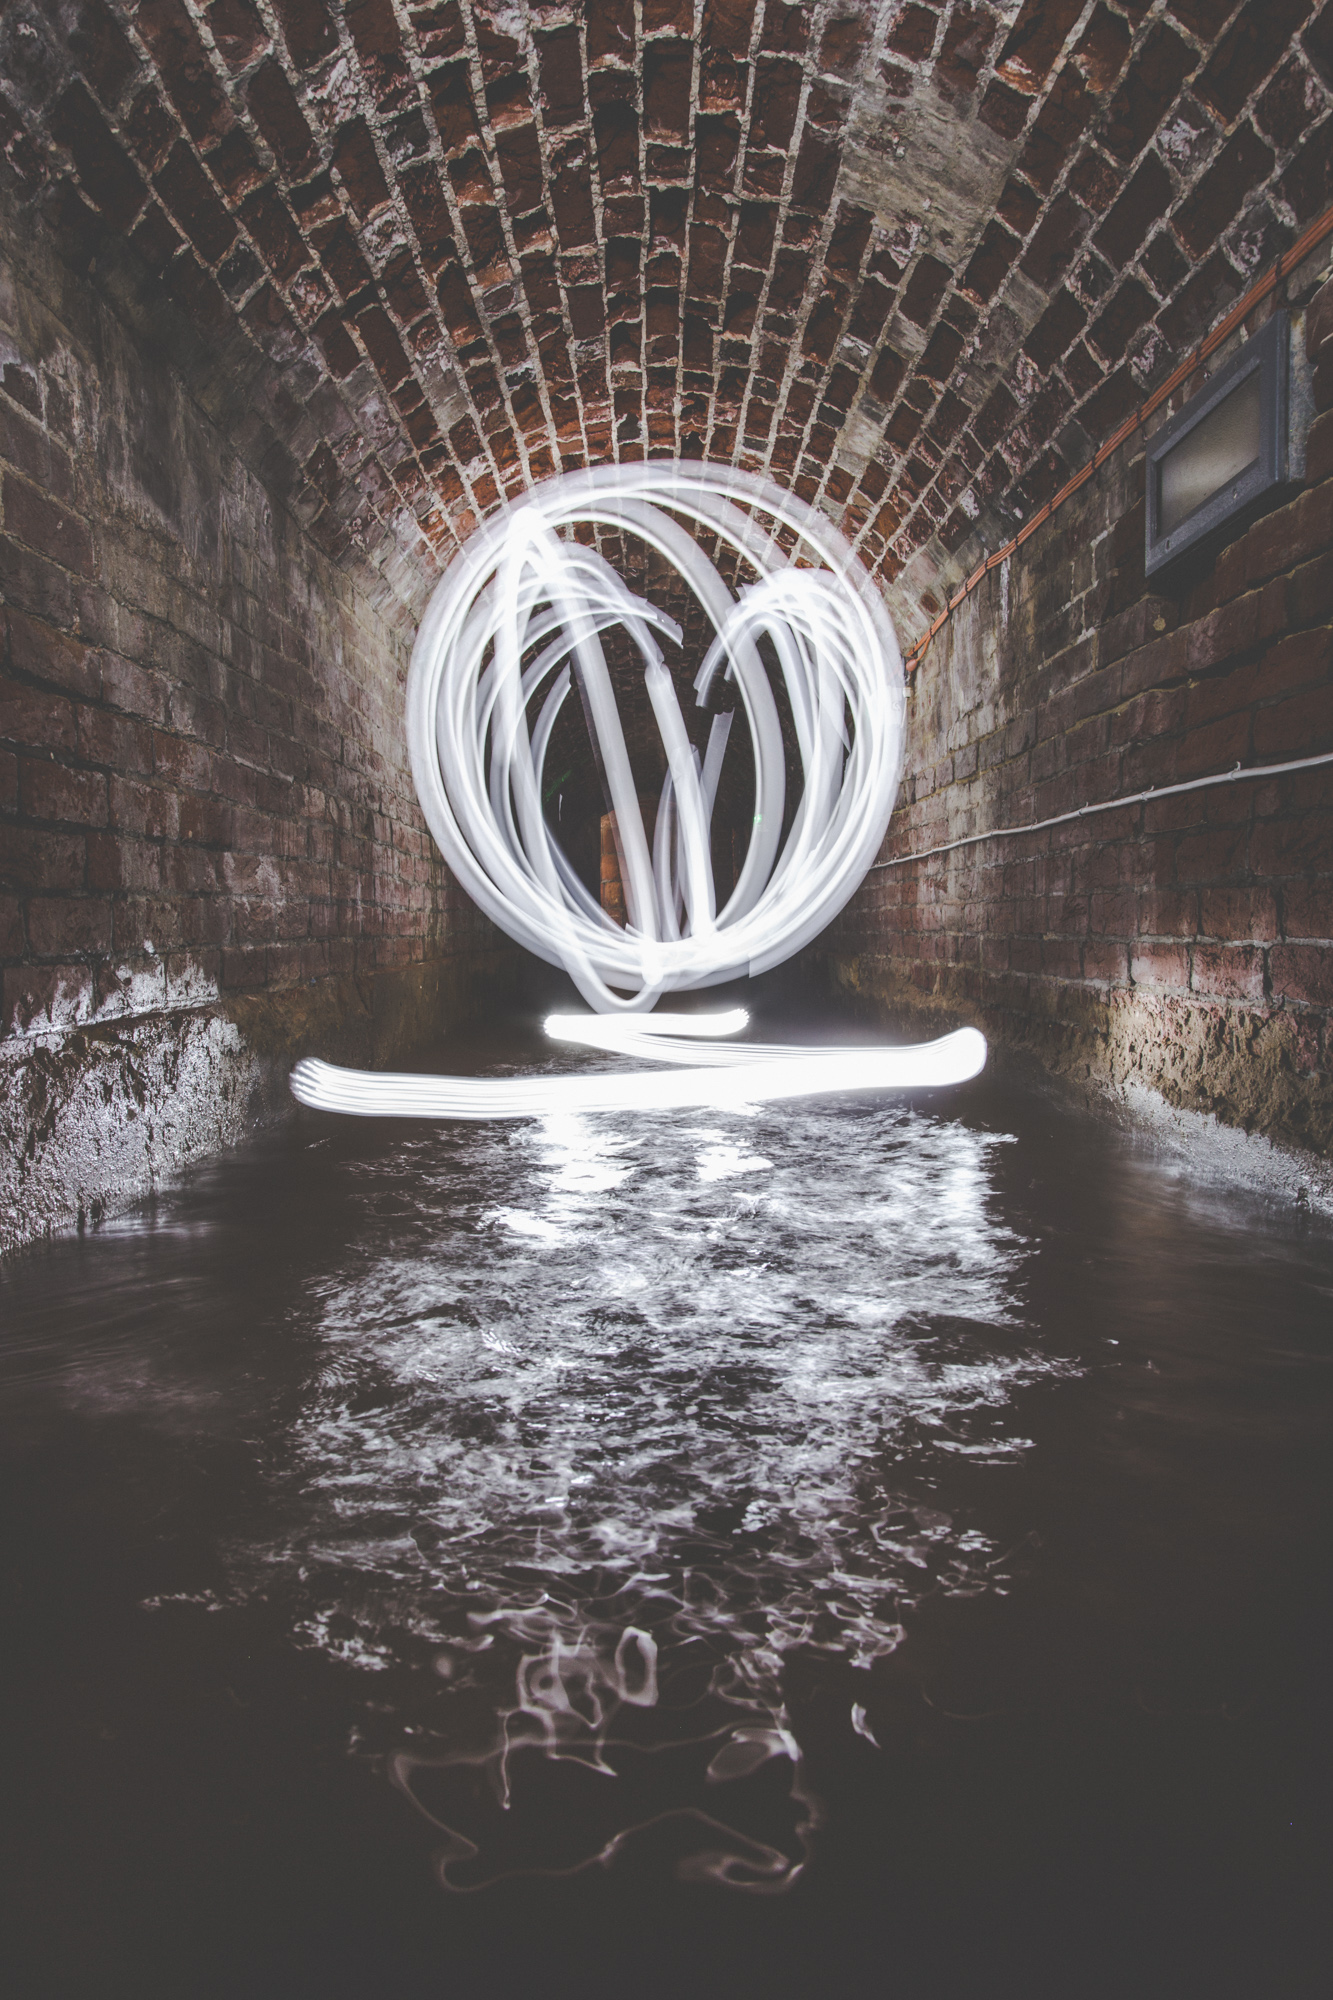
x: 517, y: 621
x: 736, y: 1076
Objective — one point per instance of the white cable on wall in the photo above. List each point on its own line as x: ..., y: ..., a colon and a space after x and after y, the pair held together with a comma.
x: 1232, y: 777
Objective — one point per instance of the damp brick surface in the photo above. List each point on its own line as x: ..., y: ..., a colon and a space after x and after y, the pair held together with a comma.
x: 1187, y: 942
x: 202, y: 768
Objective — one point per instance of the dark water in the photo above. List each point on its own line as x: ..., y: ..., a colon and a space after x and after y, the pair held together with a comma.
x: 859, y: 1547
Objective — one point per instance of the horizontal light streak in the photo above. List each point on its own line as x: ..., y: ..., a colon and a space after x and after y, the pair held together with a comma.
x: 752, y: 1076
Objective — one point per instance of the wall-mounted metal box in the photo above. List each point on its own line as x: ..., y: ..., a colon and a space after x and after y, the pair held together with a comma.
x: 1224, y: 453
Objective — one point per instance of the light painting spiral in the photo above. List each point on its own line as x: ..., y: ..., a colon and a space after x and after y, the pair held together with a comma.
x: 515, y: 625
x: 517, y: 622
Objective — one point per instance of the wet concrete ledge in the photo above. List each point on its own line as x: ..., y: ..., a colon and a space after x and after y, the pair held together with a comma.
x: 94, y: 1117
x: 1228, y: 1080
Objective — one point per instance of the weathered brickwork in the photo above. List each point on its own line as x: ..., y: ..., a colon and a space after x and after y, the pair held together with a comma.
x: 914, y: 258
x: 205, y: 811
x: 334, y: 277
x: 1185, y: 943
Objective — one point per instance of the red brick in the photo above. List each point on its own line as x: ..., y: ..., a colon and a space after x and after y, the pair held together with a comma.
x: 1231, y: 630
x: 1256, y: 42
x: 1284, y: 847
x: 1305, y: 186
x: 1058, y: 327
x: 777, y: 93
x: 1288, y: 106
x: 990, y: 262
x: 29, y: 447
x: 1170, y: 913
x: 1155, y: 75
x: 1302, y: 659
x: 925, y: 288
x: 108, y: 176
x: 1113, y: 914
x: 1302, y: 972
x: 270, y: 224
x: 307, y: 29
x: 816, y: 174
x: 667, y: 69
x: 1298, y: 727
x: 149, y: 129
x: 1208, y: 857
x: 1145, y: 200
x: 1307, y: 909
x: 1105, y: 962
x: 1231, y: 914
x: 117, y: 861
x: 1227, y: 972
x: 274, y: 107
x: 188, y: 193
x: 98, y: 45
x: 1113, y: 329
x: 51, y: 791
x: 35, y: 717
x: 1103, y: 49
x: 1159, y: 965
x: 1243, y: 163
x: 42, y: 524
x: 60, y: 925
x: 181, y: 762
x: 144, y: 809
x: 184, y: 67
x: 1034, y: 42
x: 1292, y: 535
x: 34, y: 859
x: 237, y: 30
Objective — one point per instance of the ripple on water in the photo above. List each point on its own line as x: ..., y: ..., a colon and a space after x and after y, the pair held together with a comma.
x: 603, y: 1424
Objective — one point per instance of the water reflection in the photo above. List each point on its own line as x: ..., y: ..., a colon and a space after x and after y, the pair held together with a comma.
x: 608, y: 1418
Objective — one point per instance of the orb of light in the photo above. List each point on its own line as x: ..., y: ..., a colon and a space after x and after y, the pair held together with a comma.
x: 518, y: 621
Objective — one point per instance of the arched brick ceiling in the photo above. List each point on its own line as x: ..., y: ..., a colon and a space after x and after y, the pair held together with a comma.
x: 912, y: 259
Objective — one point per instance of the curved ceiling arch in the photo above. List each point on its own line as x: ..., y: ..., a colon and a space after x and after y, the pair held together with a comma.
x: 912, y: 259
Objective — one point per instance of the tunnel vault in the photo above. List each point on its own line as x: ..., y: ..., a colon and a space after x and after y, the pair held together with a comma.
x: 913, y: 260
x: 297, y: 292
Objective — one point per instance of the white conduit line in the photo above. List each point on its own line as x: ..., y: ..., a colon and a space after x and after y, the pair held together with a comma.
x: 1232, y: 777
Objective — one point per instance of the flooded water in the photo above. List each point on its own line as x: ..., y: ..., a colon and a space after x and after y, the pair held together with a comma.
x: 868, y: 1544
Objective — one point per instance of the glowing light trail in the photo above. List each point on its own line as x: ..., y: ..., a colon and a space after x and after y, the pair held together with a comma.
x: 747, y: 1075
x: 518, y: 619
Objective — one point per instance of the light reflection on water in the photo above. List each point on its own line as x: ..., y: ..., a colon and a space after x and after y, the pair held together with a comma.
x: 608, y: 1418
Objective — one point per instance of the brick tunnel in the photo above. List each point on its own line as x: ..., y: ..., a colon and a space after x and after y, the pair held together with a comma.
x: 296, y: 293
x: 754, y: 1543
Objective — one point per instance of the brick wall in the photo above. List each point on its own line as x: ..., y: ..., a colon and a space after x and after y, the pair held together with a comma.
x: 210, y: 851
x: 1183, y: 944
x: 913, y: 257
x: 365, y: 267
